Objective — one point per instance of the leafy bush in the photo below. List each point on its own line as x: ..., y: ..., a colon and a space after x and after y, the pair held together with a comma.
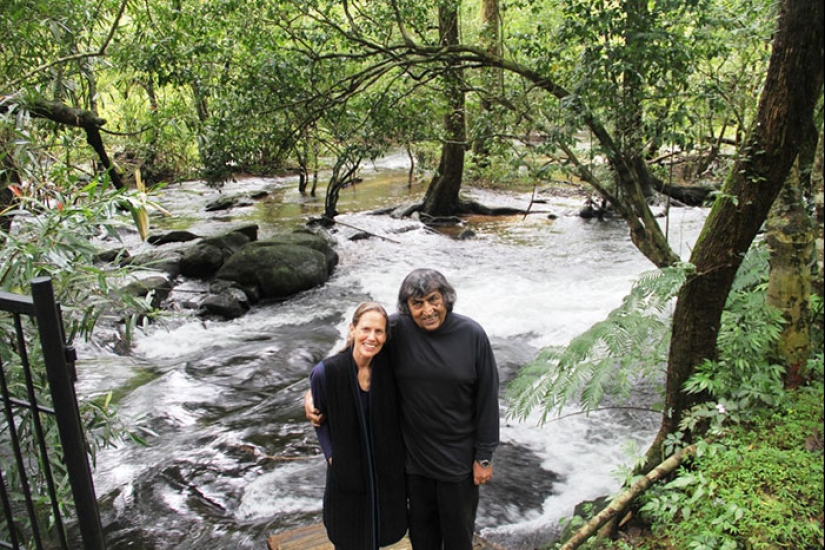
x: 52, y: 223
x: 744, y: 377
x: 758, y: 487
x: 756, y: 483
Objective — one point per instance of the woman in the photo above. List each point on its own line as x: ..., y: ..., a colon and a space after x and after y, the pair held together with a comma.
x: 365, y: 504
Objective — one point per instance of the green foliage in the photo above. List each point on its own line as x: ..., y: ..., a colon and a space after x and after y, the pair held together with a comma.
x: 53, y: 235
x: 631, y: 344
x: 756, y: 482
x: 53, y: 232
x: 609, y: 358
x: 54, y: 221
x: 744, y: 376
x: 216, y: 87
x: 759, y: 486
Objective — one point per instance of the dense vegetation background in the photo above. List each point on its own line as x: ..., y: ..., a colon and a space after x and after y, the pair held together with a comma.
x: 700, y: 101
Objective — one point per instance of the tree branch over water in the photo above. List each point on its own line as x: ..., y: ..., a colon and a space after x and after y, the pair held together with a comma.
x: 69, y: 116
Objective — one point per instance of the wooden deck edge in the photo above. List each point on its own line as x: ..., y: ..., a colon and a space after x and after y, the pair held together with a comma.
x: 314, y: 537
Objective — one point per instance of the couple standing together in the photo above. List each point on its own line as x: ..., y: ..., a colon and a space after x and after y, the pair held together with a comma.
x: 407, y: 417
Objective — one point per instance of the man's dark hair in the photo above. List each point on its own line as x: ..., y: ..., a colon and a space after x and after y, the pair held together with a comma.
x: 421, y: 282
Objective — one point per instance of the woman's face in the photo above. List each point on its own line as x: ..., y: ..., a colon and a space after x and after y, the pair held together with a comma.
x: 369, y: 335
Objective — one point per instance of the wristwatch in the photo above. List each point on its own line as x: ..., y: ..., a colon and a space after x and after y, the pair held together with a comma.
x: 486, y: 463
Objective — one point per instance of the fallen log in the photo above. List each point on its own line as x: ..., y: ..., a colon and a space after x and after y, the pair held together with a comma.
x: 622, y: 501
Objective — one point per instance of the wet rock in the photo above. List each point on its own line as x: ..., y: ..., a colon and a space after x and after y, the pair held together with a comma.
x: 281, y: 266
x: 223, y: 203
x: 311, y: 240
x: 171, y: 237
x: 241, y: 270
x: 166, y: 261
x: 230, y: 303
x: 113, y: 255
x: 205, y: 258
x: 156, y: 286
x: 229, y: 202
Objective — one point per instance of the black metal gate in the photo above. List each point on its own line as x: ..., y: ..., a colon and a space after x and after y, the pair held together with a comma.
x: 32, y: 514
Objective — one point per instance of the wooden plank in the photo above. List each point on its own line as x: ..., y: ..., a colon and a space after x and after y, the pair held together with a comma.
x: 308, y: 537
x: 314, y: 537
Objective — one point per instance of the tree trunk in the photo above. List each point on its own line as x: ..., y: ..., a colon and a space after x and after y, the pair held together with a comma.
x: 151, y: 171
x: 819, y: 214
x: 491, y: 41
x: 789, y: 96
x: 441, y: 198
x: 629, y: 119
x: 632, y: 176
x: 807, y: 156
x: 202, y: 110
x: 790, y: 237
x: 343, y: 174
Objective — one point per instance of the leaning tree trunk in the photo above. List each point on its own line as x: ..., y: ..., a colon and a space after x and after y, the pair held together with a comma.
x: 441, y: 198
x: 789, y: 96
x: 790, y: 237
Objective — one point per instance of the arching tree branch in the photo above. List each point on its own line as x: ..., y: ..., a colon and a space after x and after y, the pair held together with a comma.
x: 78, y: 118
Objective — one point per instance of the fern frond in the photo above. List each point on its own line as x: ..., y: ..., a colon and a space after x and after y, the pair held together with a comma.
x: 630, y: 343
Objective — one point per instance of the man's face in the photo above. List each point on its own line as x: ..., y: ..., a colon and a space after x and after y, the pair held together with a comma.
x: 428, y: 311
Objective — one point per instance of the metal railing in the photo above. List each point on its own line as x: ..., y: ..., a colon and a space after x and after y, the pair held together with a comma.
x: 21, y: 498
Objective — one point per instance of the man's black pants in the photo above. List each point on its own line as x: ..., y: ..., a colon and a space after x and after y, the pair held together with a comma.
x: 442, y: 514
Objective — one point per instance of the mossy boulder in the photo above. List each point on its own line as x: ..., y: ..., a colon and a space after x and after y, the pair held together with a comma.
x: 281, y: 266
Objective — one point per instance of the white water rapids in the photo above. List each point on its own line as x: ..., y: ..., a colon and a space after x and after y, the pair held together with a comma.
x: 231, y: 459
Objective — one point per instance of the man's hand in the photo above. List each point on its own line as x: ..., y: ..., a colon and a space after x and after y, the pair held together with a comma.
x: 312, y: 414
x: 482, y: 475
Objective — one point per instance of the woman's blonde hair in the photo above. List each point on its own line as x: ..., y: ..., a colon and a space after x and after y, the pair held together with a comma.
x: 365, y: 307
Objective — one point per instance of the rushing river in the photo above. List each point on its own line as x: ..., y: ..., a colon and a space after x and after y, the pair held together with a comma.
x: 231, y: 458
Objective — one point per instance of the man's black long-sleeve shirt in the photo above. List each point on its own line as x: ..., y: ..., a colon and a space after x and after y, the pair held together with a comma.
x: 448, y: 393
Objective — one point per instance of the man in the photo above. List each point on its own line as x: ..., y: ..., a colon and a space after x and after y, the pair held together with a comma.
x: 448, y: 394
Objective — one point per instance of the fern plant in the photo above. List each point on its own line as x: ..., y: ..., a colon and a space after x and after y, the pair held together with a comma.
x: 606, y: 361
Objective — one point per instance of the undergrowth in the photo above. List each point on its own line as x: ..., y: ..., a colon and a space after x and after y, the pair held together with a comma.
x: 756, y: 479
x: 760, y: 486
